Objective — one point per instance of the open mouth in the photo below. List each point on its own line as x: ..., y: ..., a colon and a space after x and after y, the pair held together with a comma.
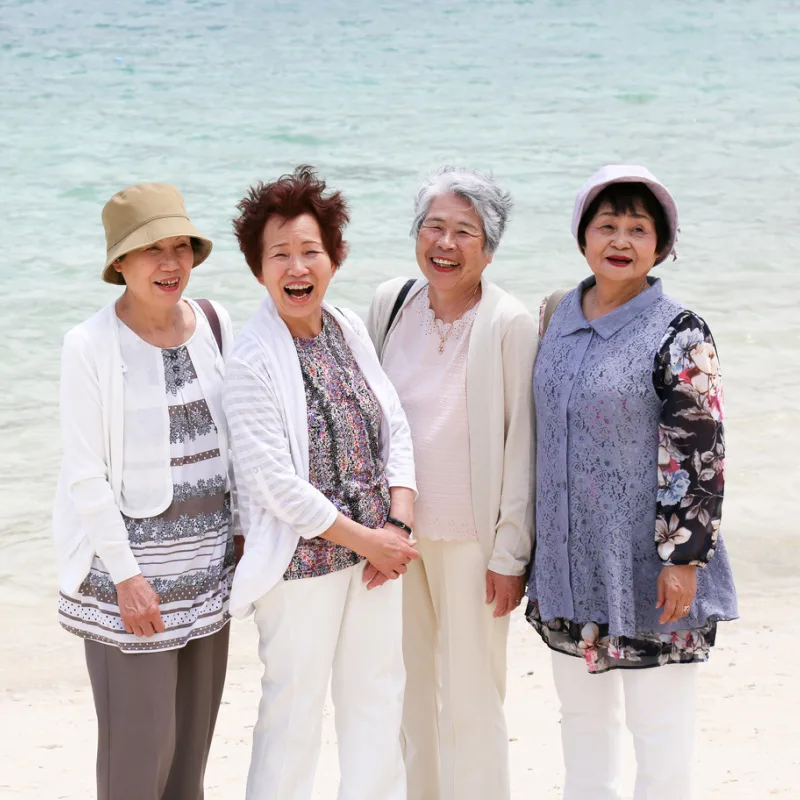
x: 444, y: 264
x: 168, y: 284
x: 298, y: 292
x: 619, y: 261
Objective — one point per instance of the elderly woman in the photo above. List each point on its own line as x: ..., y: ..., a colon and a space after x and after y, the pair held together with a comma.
x: 630, y: 576
x: 324, y: 458
x: 142, y: 517
x: 460, y: 352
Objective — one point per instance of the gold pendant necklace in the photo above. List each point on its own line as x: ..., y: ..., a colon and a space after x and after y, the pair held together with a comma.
x: 443, y: 338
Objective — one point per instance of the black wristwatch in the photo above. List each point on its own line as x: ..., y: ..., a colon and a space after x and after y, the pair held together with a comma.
x: 398, y: 524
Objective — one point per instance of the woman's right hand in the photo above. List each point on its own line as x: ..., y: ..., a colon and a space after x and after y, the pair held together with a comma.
x: 389, y: 550
x: 138, y: 607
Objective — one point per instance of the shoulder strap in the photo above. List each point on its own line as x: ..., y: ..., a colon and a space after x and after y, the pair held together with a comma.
x: 213, y: 320
x: 550, y: 306
x: 398, y: 304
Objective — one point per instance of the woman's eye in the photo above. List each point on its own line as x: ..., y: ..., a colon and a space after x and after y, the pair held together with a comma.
x: 312, y: 252
x: 183, y: 245
x: 279, y: 255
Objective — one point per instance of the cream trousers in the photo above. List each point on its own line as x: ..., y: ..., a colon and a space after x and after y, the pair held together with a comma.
x: 454, y: 729
x: 312, y: 630
x: 659, y: 711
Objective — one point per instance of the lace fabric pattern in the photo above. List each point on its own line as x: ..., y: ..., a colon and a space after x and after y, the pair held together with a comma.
x: 600, y: 477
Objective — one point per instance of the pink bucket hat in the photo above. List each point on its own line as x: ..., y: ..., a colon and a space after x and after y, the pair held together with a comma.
x: 629, y: 173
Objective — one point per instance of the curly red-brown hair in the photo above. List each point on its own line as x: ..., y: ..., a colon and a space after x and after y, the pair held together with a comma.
x: 302, y: 192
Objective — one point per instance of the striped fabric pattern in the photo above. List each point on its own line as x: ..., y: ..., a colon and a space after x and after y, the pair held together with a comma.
x: 186, y: 552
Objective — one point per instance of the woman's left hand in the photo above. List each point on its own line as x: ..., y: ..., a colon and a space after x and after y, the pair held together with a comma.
x: 677, y: 587
x: 372, y: 577
x: 507, y: 590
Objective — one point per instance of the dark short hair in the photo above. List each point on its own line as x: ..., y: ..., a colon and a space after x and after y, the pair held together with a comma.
x: 624, y: 199
x: 292, y: 195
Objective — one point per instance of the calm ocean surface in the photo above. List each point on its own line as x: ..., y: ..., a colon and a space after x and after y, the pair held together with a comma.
x: 212, y: 96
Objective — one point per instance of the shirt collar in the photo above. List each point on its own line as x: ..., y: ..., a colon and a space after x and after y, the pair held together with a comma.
x: 607, y: 325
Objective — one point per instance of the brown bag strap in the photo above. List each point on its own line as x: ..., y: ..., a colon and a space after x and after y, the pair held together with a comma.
x: 213, y: 320
x: 550, y: 306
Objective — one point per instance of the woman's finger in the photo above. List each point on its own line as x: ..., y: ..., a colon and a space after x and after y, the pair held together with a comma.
x: 670, y: 606
x: 158, y: 623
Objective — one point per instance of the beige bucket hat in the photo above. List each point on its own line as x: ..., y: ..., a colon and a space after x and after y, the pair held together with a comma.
x: 141, y: 215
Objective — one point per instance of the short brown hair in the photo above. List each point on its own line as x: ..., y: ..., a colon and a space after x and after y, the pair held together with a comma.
x: 301, y: 192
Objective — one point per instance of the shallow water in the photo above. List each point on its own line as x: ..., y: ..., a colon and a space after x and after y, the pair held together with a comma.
x: 212, y: 96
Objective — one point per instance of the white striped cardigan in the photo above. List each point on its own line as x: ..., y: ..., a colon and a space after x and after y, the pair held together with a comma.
x: 265, y: 405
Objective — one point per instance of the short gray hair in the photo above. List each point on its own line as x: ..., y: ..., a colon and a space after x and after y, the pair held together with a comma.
x: 490, y: 202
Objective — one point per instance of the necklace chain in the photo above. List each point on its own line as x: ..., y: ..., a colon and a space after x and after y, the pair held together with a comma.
x: 443, y: 337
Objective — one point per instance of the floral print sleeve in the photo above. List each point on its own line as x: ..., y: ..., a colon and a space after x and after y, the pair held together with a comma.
x: 691, y: 451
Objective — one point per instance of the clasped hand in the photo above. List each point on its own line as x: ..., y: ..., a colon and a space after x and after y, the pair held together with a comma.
x: 388, y: 555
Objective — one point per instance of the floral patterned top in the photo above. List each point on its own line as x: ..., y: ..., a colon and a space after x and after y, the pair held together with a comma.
x: 688, y: 484
x: 344, y: 422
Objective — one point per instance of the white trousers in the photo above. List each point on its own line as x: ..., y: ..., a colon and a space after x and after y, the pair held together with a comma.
x: 454, y: 729
x: 659, y: 705
x: 311, y: 630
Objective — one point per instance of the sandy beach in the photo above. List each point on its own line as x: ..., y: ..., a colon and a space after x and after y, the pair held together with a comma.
x: 748, y: 734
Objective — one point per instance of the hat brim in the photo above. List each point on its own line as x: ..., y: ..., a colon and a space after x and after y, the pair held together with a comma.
x: 150, y: 233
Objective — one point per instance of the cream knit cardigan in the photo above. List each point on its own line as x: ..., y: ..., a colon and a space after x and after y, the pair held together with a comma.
x: 500, y: 361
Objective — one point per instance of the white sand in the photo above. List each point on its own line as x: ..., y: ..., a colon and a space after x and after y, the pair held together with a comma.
x: 749, y: 738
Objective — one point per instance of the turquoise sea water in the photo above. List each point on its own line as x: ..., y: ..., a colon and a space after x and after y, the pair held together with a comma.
x: 212, y: 96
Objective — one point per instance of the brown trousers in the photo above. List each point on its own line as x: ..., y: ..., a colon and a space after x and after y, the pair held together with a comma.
x: 155, y: 717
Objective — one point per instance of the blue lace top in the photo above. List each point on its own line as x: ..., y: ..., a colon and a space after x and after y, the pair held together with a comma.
x: 630, y: 476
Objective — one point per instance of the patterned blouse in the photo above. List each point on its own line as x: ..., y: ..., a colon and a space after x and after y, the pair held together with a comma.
x: 689, y: 466
x: 186, y: 552
x: 344, y: 423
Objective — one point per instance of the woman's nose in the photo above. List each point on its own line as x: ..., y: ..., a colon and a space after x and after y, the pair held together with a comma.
x: 297, y: 266
x: 447, y: 239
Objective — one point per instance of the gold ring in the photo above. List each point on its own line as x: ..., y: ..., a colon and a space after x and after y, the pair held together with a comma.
x: 686, y: 610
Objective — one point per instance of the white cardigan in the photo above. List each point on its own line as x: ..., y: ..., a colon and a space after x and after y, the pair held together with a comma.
x: 89, y: 502
x: 500, y: 359
x: 265, y: 404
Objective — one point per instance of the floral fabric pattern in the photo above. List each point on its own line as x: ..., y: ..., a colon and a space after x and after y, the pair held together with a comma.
x: 691, y: 443
x: 344, y: 423
x: 602, y: 652
x: 630, y: 480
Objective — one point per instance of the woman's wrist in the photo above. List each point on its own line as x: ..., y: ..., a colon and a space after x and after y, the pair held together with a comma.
x: 399, y: 523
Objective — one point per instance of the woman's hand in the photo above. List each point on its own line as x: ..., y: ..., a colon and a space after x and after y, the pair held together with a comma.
x: 677, y: 587
x: 508, y: 590
x: 138, y: 607
x: 372, y: 577
x: 388, y: 551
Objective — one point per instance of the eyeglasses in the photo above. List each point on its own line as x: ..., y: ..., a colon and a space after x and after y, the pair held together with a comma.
x: 435, y: 230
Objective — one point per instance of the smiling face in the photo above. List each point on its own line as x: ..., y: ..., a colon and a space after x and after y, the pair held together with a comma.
x: 296, y: 271
x: 450, y: 245
x: 621, y: 246
x: 159, y: 273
